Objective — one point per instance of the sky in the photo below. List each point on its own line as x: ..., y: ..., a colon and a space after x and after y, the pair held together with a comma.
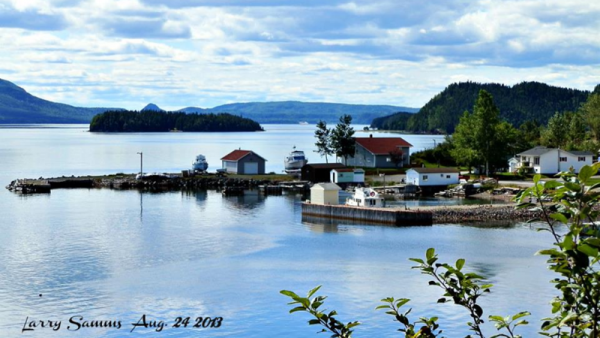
x: 204, y: 53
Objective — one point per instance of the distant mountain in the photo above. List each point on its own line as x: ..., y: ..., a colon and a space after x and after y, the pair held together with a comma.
x: 294, y: 111
x: 18, y: 106
x: 151, y: 107
x: 517, y: 104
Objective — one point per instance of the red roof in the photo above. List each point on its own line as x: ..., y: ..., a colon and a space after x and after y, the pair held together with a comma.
x: 382, y: 145
x: 236, y: 155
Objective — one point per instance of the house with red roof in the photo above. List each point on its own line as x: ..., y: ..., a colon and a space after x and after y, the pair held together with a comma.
x: 379, y: 152
x: 244, y: 162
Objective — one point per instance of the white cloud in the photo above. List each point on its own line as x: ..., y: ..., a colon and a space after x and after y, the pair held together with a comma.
x: 208, y: 52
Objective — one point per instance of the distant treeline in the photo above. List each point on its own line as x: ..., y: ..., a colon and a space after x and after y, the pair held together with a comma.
x: 526, y: 101
x: 153, y: 121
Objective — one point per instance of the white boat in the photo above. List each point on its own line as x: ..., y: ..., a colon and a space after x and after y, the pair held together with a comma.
x: 295, y: 161
x: 303, y: 123
x: 200, y: 164
x: 366, y: 197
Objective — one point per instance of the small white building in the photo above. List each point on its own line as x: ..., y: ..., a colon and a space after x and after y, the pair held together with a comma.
x: 430, y: 177
x: 513, y: 164
x: 542, y: 160
x: 347, y: 175
x: 325, y: 193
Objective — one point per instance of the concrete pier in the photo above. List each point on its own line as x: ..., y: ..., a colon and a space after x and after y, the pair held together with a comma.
x: 368, y: 215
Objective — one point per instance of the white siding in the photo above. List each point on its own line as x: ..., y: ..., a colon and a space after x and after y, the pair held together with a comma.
x: 230, y: 166
x: 412, y: 177
x: 550, y: 162
x: 431, y: 179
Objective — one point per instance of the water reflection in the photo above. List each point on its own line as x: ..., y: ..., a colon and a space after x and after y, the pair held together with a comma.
x: 250, y: 200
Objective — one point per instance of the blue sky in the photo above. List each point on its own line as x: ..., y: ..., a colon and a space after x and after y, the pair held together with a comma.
x: 178, y: 53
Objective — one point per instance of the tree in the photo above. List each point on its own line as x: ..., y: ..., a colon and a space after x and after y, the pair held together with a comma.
x: 486, y: 120
x: 342, y: 138
x: 591, y: 111
x: 463, y: 139
x: 323, y: 140
x: 397, y: 157
x: 556, y: 134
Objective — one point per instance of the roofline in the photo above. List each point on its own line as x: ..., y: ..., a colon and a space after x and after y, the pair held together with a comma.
x: 249, y: 152
x: 589, y: 153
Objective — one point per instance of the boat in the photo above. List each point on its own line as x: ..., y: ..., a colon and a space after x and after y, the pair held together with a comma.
x: 303, y: 123
x: 295, y: 161
x: 366, y: 197
x: 200, y: 164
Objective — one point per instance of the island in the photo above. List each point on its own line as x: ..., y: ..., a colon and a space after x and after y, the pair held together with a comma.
x: 160, y: 121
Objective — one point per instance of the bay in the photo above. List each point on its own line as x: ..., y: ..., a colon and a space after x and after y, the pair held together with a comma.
x: 117, y: 255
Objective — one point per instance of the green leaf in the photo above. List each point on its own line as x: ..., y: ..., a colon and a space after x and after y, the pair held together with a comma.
x: 296, y: 309
x: 588, y: 250
x: 521, y: 315
x: 417, y: 260
x: 460, y: 263
x: 312, y: 292
x: 573, y: 186
x: 429, y: 254
x: 559, y: 217
x: 289, y: 294
x: 537, y: 178
x: 586, y: 173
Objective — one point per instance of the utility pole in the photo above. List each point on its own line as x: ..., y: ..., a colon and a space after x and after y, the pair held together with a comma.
x: 141, y: 164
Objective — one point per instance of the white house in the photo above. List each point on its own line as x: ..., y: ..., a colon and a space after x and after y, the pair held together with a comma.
x: 542, y: 160
x: 430, y: 177
x: 325, y: 193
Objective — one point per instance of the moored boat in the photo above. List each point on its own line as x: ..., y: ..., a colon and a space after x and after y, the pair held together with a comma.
x: 200, y: 164
x: 366, y: 197
x: 295, y: 161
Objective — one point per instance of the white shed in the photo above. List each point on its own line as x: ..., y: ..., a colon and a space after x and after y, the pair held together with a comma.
x: 325, y: 193
x: 429, y: 177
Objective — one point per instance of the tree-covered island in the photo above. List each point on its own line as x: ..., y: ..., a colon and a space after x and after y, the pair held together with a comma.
x: 154, y: 121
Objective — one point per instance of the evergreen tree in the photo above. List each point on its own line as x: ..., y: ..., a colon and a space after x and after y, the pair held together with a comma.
x: 591, y: 111
x: 486, y: 120
x: 463, y: 140
x: 342, y: 140
x: 556, y: 134
x: 323, y: 140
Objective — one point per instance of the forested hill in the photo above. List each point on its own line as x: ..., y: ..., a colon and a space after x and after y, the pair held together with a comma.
x: 519, y: 103
x: 18, y: 106
x: 155, y: 121
x: 294, y: 111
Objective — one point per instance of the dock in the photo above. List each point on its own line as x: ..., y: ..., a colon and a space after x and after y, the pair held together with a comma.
x: 368, y: 215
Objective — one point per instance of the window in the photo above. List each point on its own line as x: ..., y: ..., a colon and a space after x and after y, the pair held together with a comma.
x: 425, y: 177
x: 563, y: 159
x: 581, y: 159
x: 536, y: 160
x: 372, y: 202
x: 441, y: 175
x: 447, y: 176
x: 389, y: 159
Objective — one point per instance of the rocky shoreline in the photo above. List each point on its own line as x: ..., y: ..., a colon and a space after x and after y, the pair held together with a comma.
x: 170, y: 182
x: 480, y: 213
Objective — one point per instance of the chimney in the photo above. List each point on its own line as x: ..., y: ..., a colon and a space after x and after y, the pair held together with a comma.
x: 370, y: 135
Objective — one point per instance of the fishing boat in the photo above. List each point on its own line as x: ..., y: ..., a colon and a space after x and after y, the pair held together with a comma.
x: 200, y: 164
x: 295, y: 161
x: 366, y: 197
x: 303, y: 123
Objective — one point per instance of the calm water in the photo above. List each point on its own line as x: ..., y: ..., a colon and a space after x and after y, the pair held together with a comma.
x: 116, y: 255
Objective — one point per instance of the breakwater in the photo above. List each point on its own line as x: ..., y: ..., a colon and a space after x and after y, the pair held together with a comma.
x: 368, y: 215
x: 163, y: 182
x: 481, y: 213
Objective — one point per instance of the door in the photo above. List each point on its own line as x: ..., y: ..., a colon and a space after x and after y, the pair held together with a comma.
x: 251, y: 168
